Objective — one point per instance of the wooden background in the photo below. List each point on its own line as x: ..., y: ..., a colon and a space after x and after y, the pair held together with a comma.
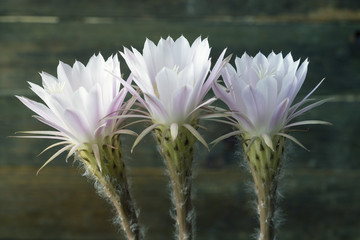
x: 320, y: 188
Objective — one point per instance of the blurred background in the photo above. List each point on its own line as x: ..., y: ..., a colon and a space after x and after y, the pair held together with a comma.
x: 320, y: 188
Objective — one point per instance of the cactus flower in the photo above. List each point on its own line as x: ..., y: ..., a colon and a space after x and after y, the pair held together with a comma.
x: 174, y: 78
x: 260, y: 95
x: 81, y: 104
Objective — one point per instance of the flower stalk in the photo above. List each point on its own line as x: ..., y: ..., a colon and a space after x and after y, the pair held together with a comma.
x: 112, y: 184
x: 81, y: 104
x: 174, y: 78
x: 265, y: 166
x: 178, y: 158
x: 260, y: 93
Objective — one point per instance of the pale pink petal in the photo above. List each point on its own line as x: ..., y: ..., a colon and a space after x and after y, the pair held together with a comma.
x: 77, y: 123
x: 79, y: 98
x: 38, y: 108
x: 250, y: 103
x: 171, y: 70
x: 181, y: 51
x: 166, y: 81
x: 215, y: 73
x: 180, y: 102
x: 261, y: 90
x: 278, y: 118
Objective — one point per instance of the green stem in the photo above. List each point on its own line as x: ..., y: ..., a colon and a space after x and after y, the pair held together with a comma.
x: 114, y: 184
x: 265, y: 165
x: 178, y: 157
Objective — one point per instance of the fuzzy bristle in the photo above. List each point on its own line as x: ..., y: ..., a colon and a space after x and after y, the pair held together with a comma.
x: 265, y: 165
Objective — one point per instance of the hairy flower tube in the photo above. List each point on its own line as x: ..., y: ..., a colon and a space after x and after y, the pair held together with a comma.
x: 79, y: 104
x: 260, y: 93
x: 174, y: 78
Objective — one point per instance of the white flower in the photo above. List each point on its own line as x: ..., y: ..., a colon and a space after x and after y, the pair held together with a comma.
x: 174, y: 78
x: 260, y: 93
x: 76, y: 103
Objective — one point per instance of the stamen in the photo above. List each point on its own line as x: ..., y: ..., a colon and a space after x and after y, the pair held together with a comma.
x: 261, y: 72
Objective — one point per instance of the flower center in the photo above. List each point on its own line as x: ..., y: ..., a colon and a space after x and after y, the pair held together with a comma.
x: 262, y: 72
x: 176, y: 69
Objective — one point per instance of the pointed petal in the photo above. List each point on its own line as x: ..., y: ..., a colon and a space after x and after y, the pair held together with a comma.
x: 236, y: 125
x: 307, y: 122
x: 39, y: 108
x: 54, y: 145
x: 225, y: 136
x: 215, y: 115
x: 135, y: 122
x: 180, y: 103
x: 54, y: 156
x: 220, y: 92
x: 306, y: 97
x: 250, y: 144
x: 96, y: 151
x: 132, y: 91
x: 278, y: 116
x: 125, y: 131
x: 307, y: 108
x: 196, y: 134
x: 166, y: 81
x: 43, y: 137
x: 53, y: 133
x: 72, y: 151
x: 78, y: 124
x: 250, y: 103
x: 207, y: 102
x: 156, y: 109
x: 292, y: 139
x: 143, y: 134
x: 130, y: 116
x: 66, y: 132
x: 215, y: 73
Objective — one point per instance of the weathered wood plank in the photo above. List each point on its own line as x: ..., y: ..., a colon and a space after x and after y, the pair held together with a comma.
x: 178, y: 9
x: 60, y: 204
x: 321, y: 196
x: 31, y: 48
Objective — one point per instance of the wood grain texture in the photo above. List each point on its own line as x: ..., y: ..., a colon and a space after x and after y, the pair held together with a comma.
x: 321, y: 193
x: 61, y: 204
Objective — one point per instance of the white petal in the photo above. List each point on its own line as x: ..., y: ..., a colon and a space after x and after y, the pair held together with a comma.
x: 38, y: 108
x: 163, y: 56
x: 260, y: 62
x: 279, y: 115
x: 78, y: 124
x: 249, y: 101
x: 149, y: 54
x: 166, y: 81
x: 276, y: 63
x: 181, y: 50
x: 82, y: 76
x: 48, y: 81
x: 181, y: 103
x: 215, y: 73
x: 94, y: 106
x: 243, y: 64
x: 221, y: 93
x: 44, y: 95
x: 301, y: 74
x: 156, y: 109
x: 64, y: 72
